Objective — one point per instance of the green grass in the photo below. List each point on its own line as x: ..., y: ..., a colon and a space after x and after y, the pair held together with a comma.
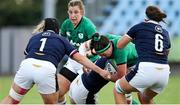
x: 175, y: 50
x: 171, y: 95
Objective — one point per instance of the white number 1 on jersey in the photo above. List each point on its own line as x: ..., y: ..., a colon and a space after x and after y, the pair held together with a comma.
x: 43, y: 42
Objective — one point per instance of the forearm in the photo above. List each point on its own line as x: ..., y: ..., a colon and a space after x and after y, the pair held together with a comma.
x: 121, y: 71
x: 86, y: 62
x: 123, y: 41
x: 114, y: 77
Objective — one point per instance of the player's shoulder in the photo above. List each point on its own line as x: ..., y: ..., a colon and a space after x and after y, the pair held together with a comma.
x: 165, y: 31
x: 61, y: 37
x: 87, y: 21
x: 112, y: 36
x: 66, y: 22
x: 140, y: 24
x: 137, y: 26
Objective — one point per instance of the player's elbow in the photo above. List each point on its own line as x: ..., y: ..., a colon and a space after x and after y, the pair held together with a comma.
x: 78, y: 57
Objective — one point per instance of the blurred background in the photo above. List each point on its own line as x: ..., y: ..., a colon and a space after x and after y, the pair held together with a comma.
x: 18, y: 18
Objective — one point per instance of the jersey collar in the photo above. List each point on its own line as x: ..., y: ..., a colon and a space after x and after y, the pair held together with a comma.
x: 151, y: 21
x: 51, y: 31
x: 79, y: 23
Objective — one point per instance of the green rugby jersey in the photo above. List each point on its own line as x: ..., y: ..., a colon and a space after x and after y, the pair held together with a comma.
x: 127, y: 54
x: 79, y: 34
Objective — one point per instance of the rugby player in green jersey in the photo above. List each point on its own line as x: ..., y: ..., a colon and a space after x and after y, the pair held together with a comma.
x: 78, y: 29
x: 91, y: 83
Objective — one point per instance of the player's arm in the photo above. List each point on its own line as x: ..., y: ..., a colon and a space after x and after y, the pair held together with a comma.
x: 26, y: 51
x: 122, y: 42
x: 63, y: 29
x: 87, y: 63
x: 84, y: 48
x: 129, y: 36
x: 121, y: 71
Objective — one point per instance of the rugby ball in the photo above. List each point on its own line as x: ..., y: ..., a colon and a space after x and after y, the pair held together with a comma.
x: 111, y: 67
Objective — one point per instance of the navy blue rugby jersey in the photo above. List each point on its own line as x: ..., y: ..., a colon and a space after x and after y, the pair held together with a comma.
x: 49, y: 46
x: 152, y: 42
x: 92, y: 80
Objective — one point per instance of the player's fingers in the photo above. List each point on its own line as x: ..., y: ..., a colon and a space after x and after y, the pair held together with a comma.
x: 109, y: 77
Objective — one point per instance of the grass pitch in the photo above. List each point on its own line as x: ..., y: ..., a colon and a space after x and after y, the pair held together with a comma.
x: 175, y: 50
x: 170, y: 95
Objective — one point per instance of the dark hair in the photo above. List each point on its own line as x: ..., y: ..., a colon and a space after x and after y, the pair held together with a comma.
x: 154, y: 13
x: 99, y: 43
x: 51, y: 24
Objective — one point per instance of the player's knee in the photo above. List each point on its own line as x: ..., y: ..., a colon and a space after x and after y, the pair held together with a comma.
x: 17, y: 97
x: 118, y: 88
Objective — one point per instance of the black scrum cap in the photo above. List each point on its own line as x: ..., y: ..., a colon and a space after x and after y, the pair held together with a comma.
x: 51, y: 24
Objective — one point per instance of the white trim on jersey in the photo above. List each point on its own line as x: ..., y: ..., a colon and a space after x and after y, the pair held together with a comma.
x: 73, y: 52
x: 128, y: 36
x: 152, y: 21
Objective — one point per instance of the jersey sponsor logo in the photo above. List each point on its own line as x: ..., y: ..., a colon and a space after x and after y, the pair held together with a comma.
x: 74, y: 43
x: 68, y: 33
x: 46, y: 34
x: 80, y: 35
x: 36, y: 65
x: 158, y: 29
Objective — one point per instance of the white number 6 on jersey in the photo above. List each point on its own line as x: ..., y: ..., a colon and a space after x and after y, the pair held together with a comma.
x: 159, y: 42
